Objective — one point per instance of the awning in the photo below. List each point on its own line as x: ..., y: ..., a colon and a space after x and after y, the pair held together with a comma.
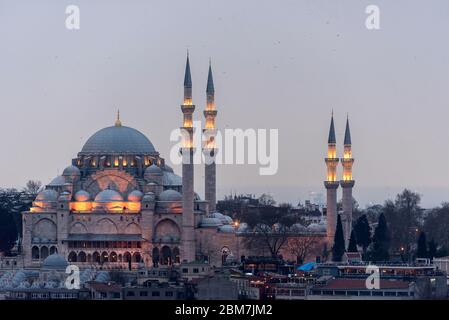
x: 104, y: 237
x: 307, y: 267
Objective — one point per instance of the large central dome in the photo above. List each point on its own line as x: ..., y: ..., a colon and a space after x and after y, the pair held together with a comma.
x: 118, y: 140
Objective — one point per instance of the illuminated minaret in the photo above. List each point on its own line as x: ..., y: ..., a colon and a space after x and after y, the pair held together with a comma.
x: 331, y: 184
x: 347, y: 184
x: 209, y: 146
x: 187, y: 150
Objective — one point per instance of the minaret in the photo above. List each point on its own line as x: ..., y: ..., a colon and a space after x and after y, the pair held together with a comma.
x: 331, y: 184
x: 347, y: 184
x: 209, y: 148
x: 187, y: 150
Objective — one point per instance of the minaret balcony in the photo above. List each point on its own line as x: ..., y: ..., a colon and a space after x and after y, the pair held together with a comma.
x: 331, y: 184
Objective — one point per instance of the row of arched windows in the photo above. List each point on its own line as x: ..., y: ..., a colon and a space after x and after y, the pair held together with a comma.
x: 104, y: 257
x: 42, y: 252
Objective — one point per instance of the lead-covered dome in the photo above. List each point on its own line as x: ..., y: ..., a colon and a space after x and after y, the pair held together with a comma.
x: 55, y: 261
x: 118, y: 140
x: 170, y: 195
x: 47, y: 195
x: 108, y: 195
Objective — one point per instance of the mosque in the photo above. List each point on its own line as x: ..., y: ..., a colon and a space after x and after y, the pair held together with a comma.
x: 119, y: 205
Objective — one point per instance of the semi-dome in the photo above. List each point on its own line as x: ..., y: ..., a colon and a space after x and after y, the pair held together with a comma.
x: 82, y: 196
x: 47, y: 195
x: 135, y: 196
x: 118, y: 140
x: 108, y: 195
x: 55, y: 262
x: 243, y: 227
x: 57, y: 181
x: 170, y: 195
x: 71, y: 171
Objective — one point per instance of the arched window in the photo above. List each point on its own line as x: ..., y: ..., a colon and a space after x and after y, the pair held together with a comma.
x: 72, y: 256
x: 166, y: 256
x: 104, y: 257
x: 155, y: 256
x: 137, y: 257
x: 225, y: 252
x: 113, y: 257
x: 44, y: 252
x: 126, y: 257
x: 96, y: 257
x: 82, y: 257
x: 120, y: 258
x: 53, y: 250
x: 176, y: 255
x: 35, y: 253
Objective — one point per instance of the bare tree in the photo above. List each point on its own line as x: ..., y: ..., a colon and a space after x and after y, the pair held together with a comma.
x: 302, y: 246
x: 33, y: 187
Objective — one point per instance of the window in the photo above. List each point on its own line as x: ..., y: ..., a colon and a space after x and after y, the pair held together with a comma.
x: 155, y: 293
x: 169, y: 293
x: 143, y: 293
x: 130, y: 294
x: 185, y: 270
x: 195, y: 270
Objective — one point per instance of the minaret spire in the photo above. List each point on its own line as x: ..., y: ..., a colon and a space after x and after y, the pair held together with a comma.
x: 187, y: 83
x: 347, y: 133
x: 331, y: 138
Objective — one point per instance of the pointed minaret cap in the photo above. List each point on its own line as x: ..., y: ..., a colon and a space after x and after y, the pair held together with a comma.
x: 118, y: 123
x: 331, y: 138
x: 210, y: 80
x: 187, y: 76
x: 347, y: 133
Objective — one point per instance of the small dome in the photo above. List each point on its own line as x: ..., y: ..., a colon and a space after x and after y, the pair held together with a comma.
x: 226, y: 229
x: 55, y: 262
x: 108, y: 195
x: 315, y: 227
x: 210, y: 222
x: 297, y: 227
x: 82, y: 196
x: 58, y: 181
x: 153, y: 170
x: 224, y: 219
x: 149, y: 197
x: 135, y: 196
x: 71, y: 171
x: 170, y: 195
x: 47, y: 195
x: 168, y: 168
x: 228, y: 219
x: 243, y: 227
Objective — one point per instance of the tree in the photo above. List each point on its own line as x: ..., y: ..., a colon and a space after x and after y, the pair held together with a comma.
x: 8, y: 231
x: 352, y: 247
x: 302, y: 246
x: 32, y: 187
x: 436, y: 225
x: 433, y: 248
x: 422, y: 246
x: 402, y: 217
x: 270, y: 228
x: 362, y: 232
x: 381, y: 241
x: 266, y: 200
x: 339, y: 242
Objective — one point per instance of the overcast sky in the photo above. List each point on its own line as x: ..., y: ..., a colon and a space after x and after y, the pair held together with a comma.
x: 277, y: 64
